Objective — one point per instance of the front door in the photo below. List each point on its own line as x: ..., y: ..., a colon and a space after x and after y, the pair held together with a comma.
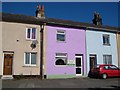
x: 78, y: 65
x: 93, y: 61
x: 8, y: 59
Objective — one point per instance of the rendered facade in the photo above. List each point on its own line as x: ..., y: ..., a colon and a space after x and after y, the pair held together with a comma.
x: 54, y: 48
x: 0, y: 49
x: 118, y: 48
x: 67, y: 45
x: 18, y: 56
x: 101, y: 48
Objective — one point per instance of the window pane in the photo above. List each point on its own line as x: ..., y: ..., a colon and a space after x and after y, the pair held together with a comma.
x: 107, y: 59
x: 33, y: 58
x: 60, y: 62
x: 103, y: 39
x: 110, y: 59
x: 61, y: 54
x: 61, y: 59
x: 60, y: 35
x: 106, y: 39
x: 78, y: 61
x: 78, y: 70
x: 27, y: 58
x: 28, y: 33
x: 33, y: 33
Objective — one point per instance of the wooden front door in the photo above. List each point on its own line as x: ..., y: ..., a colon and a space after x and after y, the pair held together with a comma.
x: 8, y: 59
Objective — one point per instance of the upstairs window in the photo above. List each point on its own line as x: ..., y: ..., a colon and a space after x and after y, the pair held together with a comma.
x: 106, y: 39
x: 61, y: 35
x: 61, y: 59
x: 31, y: 33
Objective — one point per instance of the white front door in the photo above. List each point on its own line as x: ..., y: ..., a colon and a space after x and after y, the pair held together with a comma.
x: 79, y: 70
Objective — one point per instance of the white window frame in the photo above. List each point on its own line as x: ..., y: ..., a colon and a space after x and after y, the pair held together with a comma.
x: 30, y: 59
x: 31, y: 34
x: 107, y: 60
x: 108, y: 36
x: 61, y: 57
x: 64, y: 33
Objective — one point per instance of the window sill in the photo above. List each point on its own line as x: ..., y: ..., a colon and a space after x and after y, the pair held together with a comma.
x: 30, y: 39
x: 107, y: 44
x: 61, y: 65
x: 29, y: 66
x: 61, y: 41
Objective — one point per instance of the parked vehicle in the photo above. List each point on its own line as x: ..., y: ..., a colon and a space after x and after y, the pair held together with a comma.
x: 104, y: 71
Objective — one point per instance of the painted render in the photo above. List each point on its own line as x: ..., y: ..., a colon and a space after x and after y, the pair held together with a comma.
x: 118, y: 48
x: 11, y: 32
x: 94, y: 42
x: 74, y: 44
x: 1, y: 48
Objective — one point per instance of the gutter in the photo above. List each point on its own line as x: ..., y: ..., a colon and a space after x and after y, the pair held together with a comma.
x: 102, y: 29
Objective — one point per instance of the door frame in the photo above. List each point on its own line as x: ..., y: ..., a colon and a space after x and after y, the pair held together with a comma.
x: 7, y: 52
x: 79, y: 56
x: 92, y: 55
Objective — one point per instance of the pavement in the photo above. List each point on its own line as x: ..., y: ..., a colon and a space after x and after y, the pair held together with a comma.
x: 63, y: 83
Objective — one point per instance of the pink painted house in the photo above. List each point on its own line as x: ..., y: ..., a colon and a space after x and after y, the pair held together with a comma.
x: 65, y: 52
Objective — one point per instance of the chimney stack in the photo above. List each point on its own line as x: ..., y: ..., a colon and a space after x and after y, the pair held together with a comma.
x: 40, y: 11
x: 97, y: 19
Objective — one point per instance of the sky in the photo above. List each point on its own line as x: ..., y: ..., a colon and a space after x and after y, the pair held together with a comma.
x: 75, y: 11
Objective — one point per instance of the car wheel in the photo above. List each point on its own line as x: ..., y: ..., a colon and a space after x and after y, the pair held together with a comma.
x: 104, y: 76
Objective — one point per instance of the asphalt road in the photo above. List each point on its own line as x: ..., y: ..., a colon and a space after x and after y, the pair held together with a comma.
x: 63, y: 83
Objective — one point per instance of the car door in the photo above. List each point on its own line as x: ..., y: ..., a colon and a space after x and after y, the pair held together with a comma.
x: 114, y: 70
x: 107, y: 70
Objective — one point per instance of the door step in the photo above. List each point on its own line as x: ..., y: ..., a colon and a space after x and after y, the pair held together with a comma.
x: 7, y: 77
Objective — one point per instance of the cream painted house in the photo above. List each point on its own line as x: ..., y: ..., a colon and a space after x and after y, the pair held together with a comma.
x: 19, y: 46
x: 118, y: 48
x: 0, y: 48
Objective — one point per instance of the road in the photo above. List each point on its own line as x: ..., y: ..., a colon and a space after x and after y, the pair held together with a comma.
x: 62, y: 83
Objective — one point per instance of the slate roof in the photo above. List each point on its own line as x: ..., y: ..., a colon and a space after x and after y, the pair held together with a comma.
x: 7, y: 17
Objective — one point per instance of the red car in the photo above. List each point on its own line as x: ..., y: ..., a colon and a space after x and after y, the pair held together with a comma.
x: 104, y: 71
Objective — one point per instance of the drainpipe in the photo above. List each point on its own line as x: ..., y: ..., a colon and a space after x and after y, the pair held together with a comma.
x: 41, y: 51
x: 86, y: 50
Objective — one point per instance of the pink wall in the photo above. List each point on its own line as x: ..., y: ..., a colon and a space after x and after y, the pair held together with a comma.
x: 75, y: 44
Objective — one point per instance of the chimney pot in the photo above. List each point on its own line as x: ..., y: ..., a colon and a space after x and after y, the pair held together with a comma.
x: 42, y: 8
x: 97, y: 20
x: 40, y: 11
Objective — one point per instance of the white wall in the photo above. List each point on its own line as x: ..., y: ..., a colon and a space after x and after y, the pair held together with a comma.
x: 94, y: 42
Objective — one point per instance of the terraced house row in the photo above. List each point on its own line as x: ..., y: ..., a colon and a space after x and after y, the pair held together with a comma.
x: 55, y: 48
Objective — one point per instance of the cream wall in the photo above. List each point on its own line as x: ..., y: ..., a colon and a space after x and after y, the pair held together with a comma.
x: 0, y: 48
x: 17, y: 31
x: 118, y: 41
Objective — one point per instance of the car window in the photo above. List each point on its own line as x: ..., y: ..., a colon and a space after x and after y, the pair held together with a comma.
x: 106, y: 67
x: 113, y: 67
